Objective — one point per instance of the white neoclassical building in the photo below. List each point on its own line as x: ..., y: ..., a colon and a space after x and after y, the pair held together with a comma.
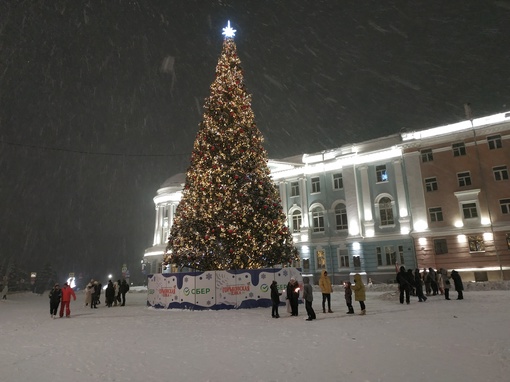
x: 438, y: 197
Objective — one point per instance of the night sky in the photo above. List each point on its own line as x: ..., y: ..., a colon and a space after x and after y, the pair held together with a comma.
x: 100, y: 101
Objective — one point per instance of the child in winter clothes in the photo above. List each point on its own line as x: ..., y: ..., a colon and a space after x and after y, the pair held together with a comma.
x: 55, y: 296
x: 348, y: 297
x: 359, y: 292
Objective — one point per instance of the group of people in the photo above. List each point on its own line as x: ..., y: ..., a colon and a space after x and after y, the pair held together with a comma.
x: 435, y: 283
x: 115, y: 294
x: 61, y: 296
x: 293, y: 289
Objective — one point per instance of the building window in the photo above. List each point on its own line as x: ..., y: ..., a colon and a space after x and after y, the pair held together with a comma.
x: 318, y: 219
x: 440, y: 246
x: 343, y: 258
x: 296, y: 221
x: 469, y: 210
x: 464, y: 179
x: 321, y: 259
x: 401, y: 254
x: 356, y: 261
x: 431, y: 184
x: 459, y: 149
x: 505, y: 206
x: 381, y: 174
x: 436, y: 214
x: 386, y: 255
x: 338, y: 181
x: 316, y: 185
x: 427, y: 156
x: 306, y: 265
x: 341, y: 216
x: 494, y: 142
x: 500, y: 173
x: 386, y: 211
x: 294, y: 189
x: 476, y: 244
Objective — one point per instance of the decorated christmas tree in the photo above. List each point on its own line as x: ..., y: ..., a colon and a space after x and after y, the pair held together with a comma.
x: 230, y: 215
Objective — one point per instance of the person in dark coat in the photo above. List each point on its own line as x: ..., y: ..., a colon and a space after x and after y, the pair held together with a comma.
x: 293, y: 296
x: 275, y: 299
x: 308, y: 297
x: 124, y: 288
x: 418, y: 286
x: 109, y: 294
x: 404, y: 285
x: 433, y: 282
x: 348, y: 297
x: 55, y: 297
x: 457, y: 282
x: 95, y: 293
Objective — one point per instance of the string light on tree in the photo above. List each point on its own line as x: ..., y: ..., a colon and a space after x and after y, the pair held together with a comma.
x: 230, y: 214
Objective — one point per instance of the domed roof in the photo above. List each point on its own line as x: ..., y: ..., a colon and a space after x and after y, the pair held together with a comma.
x: 175, y: 181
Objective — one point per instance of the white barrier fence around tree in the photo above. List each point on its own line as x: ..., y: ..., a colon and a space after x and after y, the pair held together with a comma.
x: 217, y: 290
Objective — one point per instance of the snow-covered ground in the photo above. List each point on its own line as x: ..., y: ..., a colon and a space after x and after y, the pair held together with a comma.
x: 439, y: 340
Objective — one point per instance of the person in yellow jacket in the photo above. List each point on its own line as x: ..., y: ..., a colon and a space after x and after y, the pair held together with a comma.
x: 326, y: 289
x: 359, y: 292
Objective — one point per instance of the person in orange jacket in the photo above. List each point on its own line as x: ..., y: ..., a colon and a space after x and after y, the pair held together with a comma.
x: 67, y: 292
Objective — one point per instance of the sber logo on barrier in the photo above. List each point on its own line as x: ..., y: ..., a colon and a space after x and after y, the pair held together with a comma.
x: 188, y: 291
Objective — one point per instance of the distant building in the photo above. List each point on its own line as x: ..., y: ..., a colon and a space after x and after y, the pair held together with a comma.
x: 437, y: 198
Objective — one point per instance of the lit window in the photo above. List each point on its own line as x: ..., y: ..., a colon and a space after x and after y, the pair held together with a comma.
x: 386, y: 255
x: 476, y: 244
x: 505, y: 206
x: 494, y: 142
x: 341, y: 216
x: 500, y: 173
x: 343, y: 258
x: 381, y: 174
x: 464, y: 179
x: 401, y: 254
x: 431, y: 184
x: 321, y: 260
x: 296, y: 221
x: 294, y: 189
x: 459, y: 149
x: 386, y: 211
x: 436, y: 214
x: 318, y: 220
x: 469, y: 210
x: 440, y: 246
x: 316, y: 185
x: 338, y: 181
x: 427, y: 156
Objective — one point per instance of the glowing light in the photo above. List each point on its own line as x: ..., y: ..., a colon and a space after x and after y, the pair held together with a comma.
x: 488, y: 236
x: 404, y: 230
x: 461, y: 238
x: 420, y: 225
x: 459, y: 224
x: 370, y: 233
x: 71, y: 283
x: 356, y: 246
x: 486, y: 221
x: 422, y: 241
x: 403, y: 212
x: 228, y: 32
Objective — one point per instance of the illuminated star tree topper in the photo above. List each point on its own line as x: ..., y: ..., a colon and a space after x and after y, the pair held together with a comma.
x: 228, y: 32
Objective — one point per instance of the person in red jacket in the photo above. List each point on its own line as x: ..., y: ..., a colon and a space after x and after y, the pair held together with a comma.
x: 67, y: 292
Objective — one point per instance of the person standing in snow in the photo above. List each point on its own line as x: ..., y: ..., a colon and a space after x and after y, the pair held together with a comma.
x: 308, y: 298
x: 67, y: 293
x: 293, y: 296
x: 124, y: 288
x: 275, y: 299
x: 348, y: 297
x: 359, y: 293
x: 4, y: 292
x: 89, y: 290
x: 109, y: 294
x: 116, y: 287
x: 457, y: 281
x: 326, y: 289
x: 55, y: 297
x: 446, y: 283
x: 418, y: 285
x: 403, y: 285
